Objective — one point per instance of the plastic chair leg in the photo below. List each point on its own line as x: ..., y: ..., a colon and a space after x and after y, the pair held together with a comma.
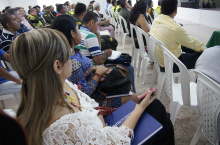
x: 3, y: 104
x: 196, y: 136
x: 123, y: 39
x: 160, y: 83
x: 135, y: 58
x: 153, y: 78
x: 176, y: 80
x: 132, y: 62
x: 144, y: 67
x: 174, y: 109
x: 139, y: 66
x: 17, y: 97
x: 164, y: 98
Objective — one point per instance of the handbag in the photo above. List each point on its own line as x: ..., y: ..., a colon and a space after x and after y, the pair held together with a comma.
x: 117, y: 81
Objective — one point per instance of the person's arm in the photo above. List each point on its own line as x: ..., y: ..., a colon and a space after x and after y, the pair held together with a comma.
x: 133, y: 118
x: 143, y: 23
x: 6, y: 75
x: 5, y: 57
x: 92, y: 44
x: 183, y: 38
x: 100, y: 59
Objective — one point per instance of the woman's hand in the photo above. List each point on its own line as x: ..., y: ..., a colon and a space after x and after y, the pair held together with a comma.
x: 146, y: 101
x: 100, y: 69
x: 107, y: 21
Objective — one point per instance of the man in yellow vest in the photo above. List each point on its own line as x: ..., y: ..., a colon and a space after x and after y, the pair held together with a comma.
x: 157, y: 10
x: 118, y: 8
x: 69, y: 12
x: 34, y: 19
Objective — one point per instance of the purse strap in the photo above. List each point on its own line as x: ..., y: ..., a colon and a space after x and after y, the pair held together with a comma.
x: 118, y: 66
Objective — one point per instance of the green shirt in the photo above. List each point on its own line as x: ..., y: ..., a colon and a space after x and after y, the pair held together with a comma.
x: 47, y: 17
x: 79, y: 22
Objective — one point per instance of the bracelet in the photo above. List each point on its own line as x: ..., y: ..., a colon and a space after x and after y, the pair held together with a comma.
x: 97, y: 74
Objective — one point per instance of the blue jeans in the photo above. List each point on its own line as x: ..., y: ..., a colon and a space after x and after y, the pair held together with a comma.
x: 131, y: 74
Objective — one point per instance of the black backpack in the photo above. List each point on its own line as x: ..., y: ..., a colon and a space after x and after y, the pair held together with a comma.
x: 108, y: 43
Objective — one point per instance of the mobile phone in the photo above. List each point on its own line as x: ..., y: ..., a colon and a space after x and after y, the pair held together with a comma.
x: 154, y: 91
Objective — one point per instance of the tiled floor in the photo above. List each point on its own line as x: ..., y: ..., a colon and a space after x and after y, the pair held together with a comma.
x: 186, y: 123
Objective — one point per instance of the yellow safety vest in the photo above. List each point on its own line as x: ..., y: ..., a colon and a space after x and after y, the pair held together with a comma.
x: 118, y: 7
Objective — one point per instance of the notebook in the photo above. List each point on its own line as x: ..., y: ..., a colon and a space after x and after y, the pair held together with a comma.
x: 115, y: 55
x: 146, y: 127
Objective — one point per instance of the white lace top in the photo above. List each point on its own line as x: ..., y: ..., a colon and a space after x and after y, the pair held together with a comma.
x: 84, y: 127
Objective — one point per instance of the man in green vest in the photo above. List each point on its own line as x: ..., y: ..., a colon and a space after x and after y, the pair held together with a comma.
x: 90, y: 7
x: 80, y: 10
x: 39, y: 15
x: 47, y: 16
x: 34, y: 19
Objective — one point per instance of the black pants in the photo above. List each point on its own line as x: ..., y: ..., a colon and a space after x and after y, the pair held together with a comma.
x: 166, y: 135
x: 188, y: 58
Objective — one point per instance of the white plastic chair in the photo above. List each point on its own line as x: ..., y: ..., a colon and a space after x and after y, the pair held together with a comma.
x: 116, y: 19
x: 155, y: 15
x: 142, y: 53
x: 134, y: 49
x: 9, y: 65
x: 105, y: 32
x: 121, y: 19
x: 208, y: 95
x: 183, y: 95
x: 149, y: 17
x: 156, y: 69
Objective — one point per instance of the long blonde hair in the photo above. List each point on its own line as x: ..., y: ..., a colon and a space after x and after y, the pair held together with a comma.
x: 32, y: 55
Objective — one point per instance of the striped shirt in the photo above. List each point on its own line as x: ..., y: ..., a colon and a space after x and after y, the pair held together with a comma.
x: 89, y: 46
x: 6, y: 39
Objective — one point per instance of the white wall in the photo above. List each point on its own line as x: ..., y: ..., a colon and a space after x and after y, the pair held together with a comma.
x: 3, y: 4
x: 205, y: 17
x: 23, y: 3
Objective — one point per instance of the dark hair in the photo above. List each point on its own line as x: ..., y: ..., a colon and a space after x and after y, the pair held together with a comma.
x: 118, y: 2
x: 3, y: 11
x: 4, y: 19
x: 139, y: 8
x: 92, y: 2
x: 113, y: 2
x: 65, y: 23
x: 12, y: 11
x: 32, y: 9
x: 89, y: 16
x: 48, y: 7
x: 59, y: 7
x: 159, y: 2
x: 66, y: 4
x: 149, y: 2
x: 123, y: 4
x: 29, y: 6
x: 8, y: 7
x: 168, y: 6
x: 108, y: 1
x: 79, y: 8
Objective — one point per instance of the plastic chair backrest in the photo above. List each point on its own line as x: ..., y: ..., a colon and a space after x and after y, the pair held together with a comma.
x: 110, y: 12
x: 133, y: 27
x: 140, y: 34
x: 150, y: 17
x: 125, y: 23
x: 208, y: 95
x: 153, y: 42
x: 155, y: 15
x: 169, y: 60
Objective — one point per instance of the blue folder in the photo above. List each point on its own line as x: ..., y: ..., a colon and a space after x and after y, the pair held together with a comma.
x: 146, y: 127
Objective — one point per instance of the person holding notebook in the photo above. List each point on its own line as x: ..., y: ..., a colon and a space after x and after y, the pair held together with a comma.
x: 65, y: 114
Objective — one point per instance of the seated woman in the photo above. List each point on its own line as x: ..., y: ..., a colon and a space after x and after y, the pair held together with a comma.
x: 82, y: 70
x: 138, y: 17
x: 96, y: 7
x: 54, y: 111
